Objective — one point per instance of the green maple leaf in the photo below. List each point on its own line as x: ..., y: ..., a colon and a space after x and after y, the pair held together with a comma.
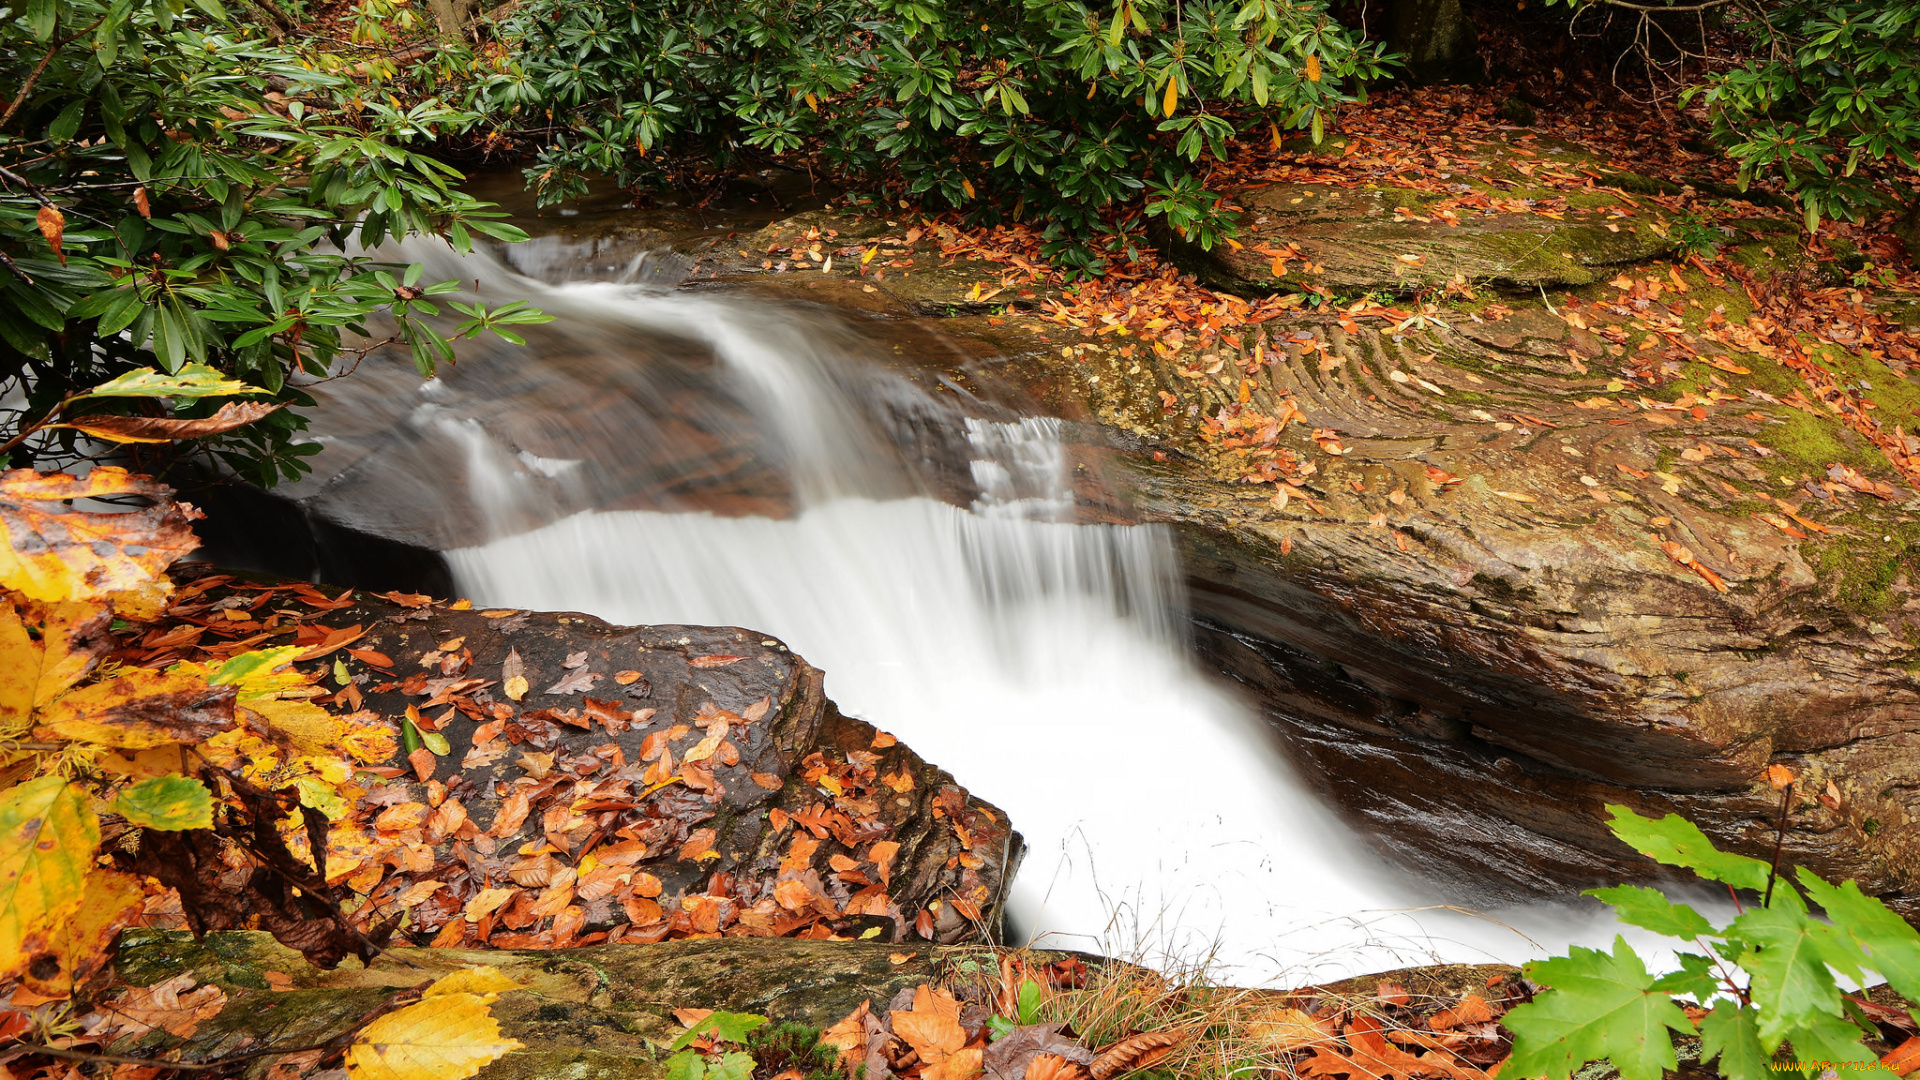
x: 1640, y: 906
x: 1892, y: 947
x: 1678, y: 842
x: 1696, y: 978
x: 1730, y: 1032
x: 1601, y: 1005
x: 1787, y: 953
x: 1827, y: 1038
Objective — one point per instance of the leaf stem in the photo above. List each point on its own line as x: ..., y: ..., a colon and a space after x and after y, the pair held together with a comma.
x: 1779, y: 842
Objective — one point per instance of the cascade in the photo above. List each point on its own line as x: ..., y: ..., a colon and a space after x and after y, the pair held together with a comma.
x: 1035, y: 655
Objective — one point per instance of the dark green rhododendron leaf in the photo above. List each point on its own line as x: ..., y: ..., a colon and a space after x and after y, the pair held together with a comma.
x: 1599, y: 1006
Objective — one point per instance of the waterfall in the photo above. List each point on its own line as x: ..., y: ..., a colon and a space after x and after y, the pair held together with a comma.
x: 1035, y: 656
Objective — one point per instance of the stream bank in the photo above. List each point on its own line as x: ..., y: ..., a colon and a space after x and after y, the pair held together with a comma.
x: 1469, y: 623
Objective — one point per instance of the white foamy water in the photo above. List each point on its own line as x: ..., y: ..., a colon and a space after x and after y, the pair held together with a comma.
x: 1037, y: 659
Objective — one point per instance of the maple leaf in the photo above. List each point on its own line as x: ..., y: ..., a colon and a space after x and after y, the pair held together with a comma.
x: 1678, y: 842
x: 1600, y: 1005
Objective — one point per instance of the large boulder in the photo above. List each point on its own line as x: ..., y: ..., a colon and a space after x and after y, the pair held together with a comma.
x: 603, y: 783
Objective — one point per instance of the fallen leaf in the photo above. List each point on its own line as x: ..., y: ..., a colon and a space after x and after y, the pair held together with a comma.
x: 172, y: 1004
x: 1136, y: 1052
x: 447, y: 1036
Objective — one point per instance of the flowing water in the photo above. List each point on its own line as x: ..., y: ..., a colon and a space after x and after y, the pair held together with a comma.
x: 663, y: 456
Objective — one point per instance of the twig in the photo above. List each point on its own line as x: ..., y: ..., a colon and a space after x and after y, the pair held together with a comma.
x: 1779, y: 842
x: 52, y: 50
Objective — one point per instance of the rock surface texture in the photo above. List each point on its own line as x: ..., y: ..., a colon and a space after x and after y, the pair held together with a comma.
x: 633, y: 784
x: 595, y: 1013
x: 1494, y: 603
x: 1564, y: 524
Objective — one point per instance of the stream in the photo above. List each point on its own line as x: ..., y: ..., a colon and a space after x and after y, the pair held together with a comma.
x: 660, y: 455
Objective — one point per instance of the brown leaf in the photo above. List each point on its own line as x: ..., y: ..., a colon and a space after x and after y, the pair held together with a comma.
x: 1011, y: 1055
x: 1779, y: 776
x: 173, y: 1005
x: 964, y: 1064
x: 143, y: 429
x: 511, y: 815
x: 573, y: 682
x: 141, y: 204
x: 1390, y: 993
x: 1137, y: 1052
x: 1051, y: 1067
x: 715, y: 661
x: 769, y: 781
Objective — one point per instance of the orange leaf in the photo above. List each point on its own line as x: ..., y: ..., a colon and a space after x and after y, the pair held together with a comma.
x: 931, y: 1034
x: 1471, y: 1010
x: 1903, y: 1059
x: 53, y: 225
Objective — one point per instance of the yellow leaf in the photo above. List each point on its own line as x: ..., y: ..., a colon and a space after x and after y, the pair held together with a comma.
x: 516, y: 687
x: 1313, y: 67
x: 441, y: 1037
x: 79, y: 949
x: 487, y: 982
x: 139, y: 709
x: 813, y: 103
x: 52, y: 552
x: 47, y: 837
x: 73, y: 637
x: 1172, y: 100
x: 300, y: 726
x: 487, y: 901
x: 967, y: 186
x: 706, y: 747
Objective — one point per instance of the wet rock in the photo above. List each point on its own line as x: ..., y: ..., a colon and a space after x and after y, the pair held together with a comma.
x: 647, y: 782
x: 1470, y: 635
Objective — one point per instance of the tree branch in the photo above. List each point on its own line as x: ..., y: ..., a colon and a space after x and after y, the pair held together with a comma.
x: 52, y: 50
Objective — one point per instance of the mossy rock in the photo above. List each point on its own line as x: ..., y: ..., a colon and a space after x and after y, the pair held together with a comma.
x: 598, y: 1013
x: 1351, y: 240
